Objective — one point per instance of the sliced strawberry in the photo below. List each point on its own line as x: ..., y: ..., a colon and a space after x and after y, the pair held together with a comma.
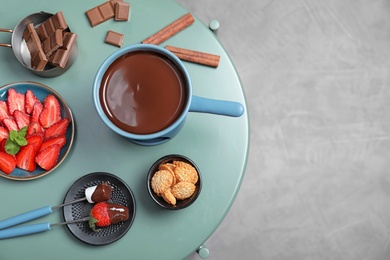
x: 48, y: 157
x: 2, y: 145
x: 3, y: 110
x: 60, y: 140
x: 58, y: 128
x: 10, y: 124
x: 30, y: 100
x: 15, y: 101
x: 51, y: 112
x: 36, y: 112
x: 25, y: 158
x: 36, y: 140
x: 4, y: 133
x: 22, y: 119
x: 34, y: 128
x: 7, y: 162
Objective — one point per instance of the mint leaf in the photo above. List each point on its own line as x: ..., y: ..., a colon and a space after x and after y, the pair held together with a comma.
x: 23, y: 131
x: 20, y: 140
x: 13, y: 134
x: 15, y: 140
x: 11, y: 147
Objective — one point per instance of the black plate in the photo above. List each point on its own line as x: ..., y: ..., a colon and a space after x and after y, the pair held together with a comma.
x: 121, y: 194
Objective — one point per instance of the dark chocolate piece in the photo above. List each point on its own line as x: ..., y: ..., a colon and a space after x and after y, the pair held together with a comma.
x: 122, y: 10
x: 114, y: 38
x: 100, y: 13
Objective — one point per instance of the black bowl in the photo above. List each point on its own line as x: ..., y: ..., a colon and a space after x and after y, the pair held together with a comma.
x: 180, y: 204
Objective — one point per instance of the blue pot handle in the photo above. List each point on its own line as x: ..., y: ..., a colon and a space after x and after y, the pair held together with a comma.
x: 218, y: 107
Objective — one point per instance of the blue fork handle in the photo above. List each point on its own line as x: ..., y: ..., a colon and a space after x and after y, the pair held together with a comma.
x: 24, y: 230
x: 30, y: 215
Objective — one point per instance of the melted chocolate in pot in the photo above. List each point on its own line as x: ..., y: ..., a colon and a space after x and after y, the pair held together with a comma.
x: 143, y: 92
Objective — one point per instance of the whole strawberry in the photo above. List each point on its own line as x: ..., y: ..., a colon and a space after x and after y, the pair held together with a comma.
x: 104, y: 214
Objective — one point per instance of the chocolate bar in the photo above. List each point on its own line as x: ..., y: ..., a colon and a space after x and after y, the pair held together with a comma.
x: 114, y: 38
x: 100, y: 13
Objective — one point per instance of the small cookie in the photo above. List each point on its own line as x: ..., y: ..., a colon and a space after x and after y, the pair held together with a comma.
x: 183, y: 190
x: 161, y: 181
x: 168, y: 197
x: 185, y: 172
x: 169, y: 167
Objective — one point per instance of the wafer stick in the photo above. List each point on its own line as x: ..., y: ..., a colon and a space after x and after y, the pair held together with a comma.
x: 195, y: 56
x: 170, y: 30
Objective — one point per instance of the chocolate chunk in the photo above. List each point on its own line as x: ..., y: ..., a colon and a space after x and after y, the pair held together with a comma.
x: 52, y: 43
x: 49, y: 26
x: 100, y: 13
x: 32, y: 39
x: 39, y: 61
x: 122, y: 10
x: 59, y: 21
x: 38, y: 57
x: 61, y: 56
x: 114, y: 38
x: 69, y: 40
x: 113, y: 2
x: 27, y: 32
x: 94, y: 16
x: 42, y: 33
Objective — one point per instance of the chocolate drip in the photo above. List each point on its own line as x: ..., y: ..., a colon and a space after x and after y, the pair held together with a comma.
x: 102, y: 193
x: 117, y: 213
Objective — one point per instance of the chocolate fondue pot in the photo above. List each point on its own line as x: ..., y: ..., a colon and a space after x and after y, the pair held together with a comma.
x: 143, y: 92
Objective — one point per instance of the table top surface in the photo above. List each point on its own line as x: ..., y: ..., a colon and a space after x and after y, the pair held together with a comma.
x: 217, y: 144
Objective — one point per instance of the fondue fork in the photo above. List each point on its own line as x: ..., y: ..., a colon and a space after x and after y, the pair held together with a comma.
x: 34, y: 228
x: 33, y: 214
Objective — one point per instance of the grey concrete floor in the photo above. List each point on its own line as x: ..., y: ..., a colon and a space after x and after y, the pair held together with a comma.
x: 316, y: 75
x: 239, y: 34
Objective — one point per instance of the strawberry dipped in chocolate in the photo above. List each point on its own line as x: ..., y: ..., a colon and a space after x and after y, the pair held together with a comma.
x: 99, y: 193
x: 104, y: 214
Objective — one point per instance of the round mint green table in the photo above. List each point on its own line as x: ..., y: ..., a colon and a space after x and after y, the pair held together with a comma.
x: 217, y: 144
